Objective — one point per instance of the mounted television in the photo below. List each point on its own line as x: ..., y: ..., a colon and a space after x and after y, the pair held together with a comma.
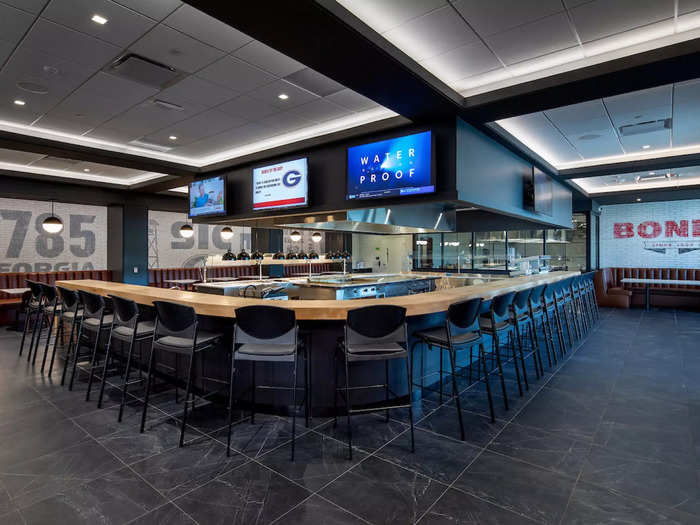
x: 538, y: 192
x: 391, y: 168
x: 208, y: 197
x: 283, y: 185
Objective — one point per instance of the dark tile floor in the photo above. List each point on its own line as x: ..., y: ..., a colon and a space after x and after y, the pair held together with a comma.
x: 611, y: 435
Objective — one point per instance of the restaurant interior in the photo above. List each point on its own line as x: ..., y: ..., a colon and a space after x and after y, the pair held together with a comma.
x: 349, y: 262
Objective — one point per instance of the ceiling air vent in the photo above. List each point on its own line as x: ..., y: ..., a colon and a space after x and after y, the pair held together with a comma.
x: 150, y: 145
x: 143, y: 70
x: 164, y: 104
x: 646, y: 127
x: 655, y: 176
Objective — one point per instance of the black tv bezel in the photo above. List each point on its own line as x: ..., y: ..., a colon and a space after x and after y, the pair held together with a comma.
x: 225, y: 198
x: 433, y: 170
x: 277, y: 208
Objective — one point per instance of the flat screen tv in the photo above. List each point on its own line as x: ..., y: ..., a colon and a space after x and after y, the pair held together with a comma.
x: 283, y: 185
x: 208, y: 197
x: 391, y: 168
x: 538, y: 192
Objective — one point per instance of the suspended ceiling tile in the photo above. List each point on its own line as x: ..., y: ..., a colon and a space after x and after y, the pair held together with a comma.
x: 34, y: 102
x: 315, y: 82
x: 209, y: 30
x: 18, y: 157
x: 74, y: 126
x: 117, y: 136
x: 602, y: 143
x: 147, y: 118
x: 647, y: 142
x: 534, y: 39
x: 123, y: 25
x: 176, y: 49
x: 321, y: 110
x: 122, y: 90
x: 462, y: 62
x: 210, y: 122
x: 31, y: 6
x: 687, y: 6
x: 268, y: 59
x: 601, y: 18
x: 56, y: 163
x: 284, y: 122
x: 248, y: 108
x: 270, y: 94
x: 640, y: 106
x: 584, y: 118
x: 156, y: 9
x: 5, y: 50
x: 352, y: 100
x: 495, y: 16
x: 13, y: 23
x: 440, y: 31
x: 71, y: 45
x: 235, y: 74
x: 237, y: 137
x: 195, y: 89
x: 384, y: 15
x: 686, y: 113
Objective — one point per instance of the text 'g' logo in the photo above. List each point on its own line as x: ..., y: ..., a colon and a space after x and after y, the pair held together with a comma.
x: 291, y: 178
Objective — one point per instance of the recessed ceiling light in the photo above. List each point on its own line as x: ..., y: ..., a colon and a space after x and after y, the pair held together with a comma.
x: 283, y: 96
x: 173, y: 137
x: 86, y: 170
x: 19, y: 102
x: 639, y: 199
x: 652, y: 173
x: 99, y: 19
x: 646, y: 146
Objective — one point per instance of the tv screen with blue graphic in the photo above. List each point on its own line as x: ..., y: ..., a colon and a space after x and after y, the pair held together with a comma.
x: 391, y: 168
x: 208, y: 197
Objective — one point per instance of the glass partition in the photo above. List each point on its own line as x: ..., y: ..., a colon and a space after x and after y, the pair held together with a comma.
x: 427, y: 251
x: 490, y: 250
x: 457, y: 251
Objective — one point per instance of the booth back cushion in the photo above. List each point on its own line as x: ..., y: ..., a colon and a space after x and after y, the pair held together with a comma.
x: 677, y: 274
x: 18, y: 279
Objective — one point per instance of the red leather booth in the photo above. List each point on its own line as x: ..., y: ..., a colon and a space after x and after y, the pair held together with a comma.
x: 611, y: 291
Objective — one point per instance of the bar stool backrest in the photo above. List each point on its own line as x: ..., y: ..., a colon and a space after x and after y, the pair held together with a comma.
x: 174, y: 319
x: 271, y: 325
x: 125, y: 311
x: 69, y: 298
x: 36, y: 290
x: 50, y: 294
x: 521, y: 301
x: 548, y: 294
x: 559, y: 288
x: 384, y: 323
x: 463, y: 317
x: 536, y: 295
x: 93, y: 304
x: 500, y: 307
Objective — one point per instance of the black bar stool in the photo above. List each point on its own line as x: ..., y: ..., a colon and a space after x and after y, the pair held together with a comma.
x: 177, y: 331
x: 520, y: 314
x: 538, y: 314
x: 590, y: 289
x: 461, y: 331
x: 498, y: 324
x: 552, y: 316
x: 266, y: 334
x: 92, y: 324
x: 127, y: 327
x: 50, y: 308
x: 33, y: 309
x: 71, y: 312
x: 373, y: 333
x: 572, y: 298
x: 562, y: 302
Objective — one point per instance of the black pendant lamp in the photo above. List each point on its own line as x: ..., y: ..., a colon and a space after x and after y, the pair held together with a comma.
x: 52, y: 224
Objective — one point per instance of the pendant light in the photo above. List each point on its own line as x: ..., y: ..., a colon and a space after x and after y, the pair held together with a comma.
x: 295, y: 236
x: 186, y: 230
x: 52, y: 224
x: 226, y: 233
x: 316, y: 237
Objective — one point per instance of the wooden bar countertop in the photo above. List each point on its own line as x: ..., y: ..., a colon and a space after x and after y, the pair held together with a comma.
x: 315, y: 310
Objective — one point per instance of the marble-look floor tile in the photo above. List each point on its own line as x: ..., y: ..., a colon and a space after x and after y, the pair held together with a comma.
x: 318, y: 460
x: 250, y: 493
x: 182, y: 469
x: 459, y: 508
x: 115, y: 498
x: 39, y: 478
x: 131, y: 446
x: 478, y: 429
x: 593, y: 504
x: 383, y: 493
x: 318, y: 511
x: 435, y: 456
x: 369, y: 432
x: 168, y: 514
x: 551, y: 451
x: 268, y: 432
x: 524, y: 489
x: 656, y: 481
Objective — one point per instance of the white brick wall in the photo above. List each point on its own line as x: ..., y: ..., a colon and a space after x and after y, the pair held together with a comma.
x: 25, y: 247
x: 667, y: 250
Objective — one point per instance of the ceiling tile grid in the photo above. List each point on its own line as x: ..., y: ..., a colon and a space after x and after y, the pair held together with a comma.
x: 476, y: 46
x: 228, y: 91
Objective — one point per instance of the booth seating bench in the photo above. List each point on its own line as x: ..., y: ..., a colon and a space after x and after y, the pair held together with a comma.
x: 611, y: 291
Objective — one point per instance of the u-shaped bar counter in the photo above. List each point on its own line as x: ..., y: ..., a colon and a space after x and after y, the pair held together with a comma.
x: 323, y: 320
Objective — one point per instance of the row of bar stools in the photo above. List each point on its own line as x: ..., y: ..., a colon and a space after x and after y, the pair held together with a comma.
x: 33, y: 312
x: 520, y: 316
x: 93, y: 324
x: 71, y: 313
x: 538, y: 314
x: 51, y: 308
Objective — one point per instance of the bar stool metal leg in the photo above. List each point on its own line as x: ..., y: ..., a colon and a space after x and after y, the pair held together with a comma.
x: 494, y: 346
x: 409, y: 371
x: 482, y: 357
x: 151, y: 362
x: 125, y: 384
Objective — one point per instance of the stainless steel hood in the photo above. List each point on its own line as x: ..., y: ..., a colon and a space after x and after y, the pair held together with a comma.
x: 407, y: 218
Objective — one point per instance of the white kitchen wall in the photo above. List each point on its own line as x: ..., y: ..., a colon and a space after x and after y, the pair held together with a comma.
x: 382, y: 253
x: 26, y: 247
x: 651, y: 235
